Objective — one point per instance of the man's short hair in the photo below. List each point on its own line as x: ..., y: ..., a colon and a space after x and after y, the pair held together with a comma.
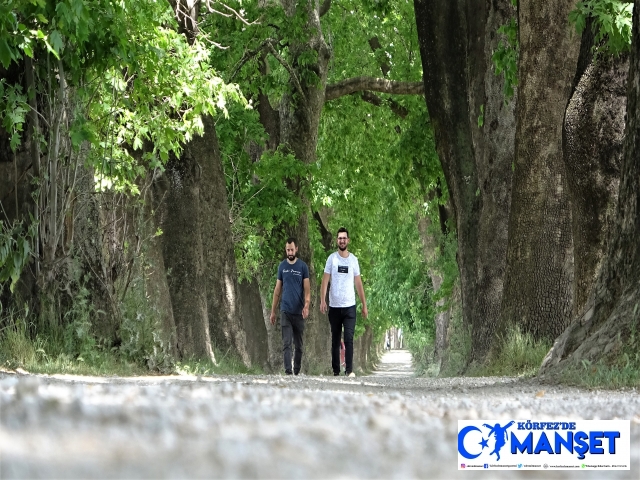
x: 341, y: 230
x: 292, y: 240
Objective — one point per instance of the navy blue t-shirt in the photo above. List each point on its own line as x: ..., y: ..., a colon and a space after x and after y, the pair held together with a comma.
x: 292, y: 277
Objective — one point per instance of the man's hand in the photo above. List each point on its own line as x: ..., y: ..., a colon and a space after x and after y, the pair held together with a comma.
x: 305, y: 312
x: 365, y: 312
x: 323, y: 306
x: 273, y: 318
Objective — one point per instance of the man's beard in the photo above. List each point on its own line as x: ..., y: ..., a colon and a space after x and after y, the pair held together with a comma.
x: 291, y: 257
x: 342, y: 249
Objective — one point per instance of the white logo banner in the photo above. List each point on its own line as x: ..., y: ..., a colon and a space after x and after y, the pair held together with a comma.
x: 540, y: 445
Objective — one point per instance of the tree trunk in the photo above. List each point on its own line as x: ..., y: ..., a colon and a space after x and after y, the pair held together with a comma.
x: 608, y: 331
x: 538, y: 292
x: 274, y: 338
x: 442, y: 31
x: 593, y: 137
x: 254, y: 324
x: 223, y: 303
x: 156, y: 281
x: 183, y: 255
x: 297, y: 121
x: 494, y: 145
x: 456, y: 43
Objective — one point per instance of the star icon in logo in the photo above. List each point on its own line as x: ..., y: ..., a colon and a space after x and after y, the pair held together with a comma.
x: 484, y: 443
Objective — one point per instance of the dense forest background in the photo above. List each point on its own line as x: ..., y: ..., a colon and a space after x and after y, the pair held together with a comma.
x: 154, y: 157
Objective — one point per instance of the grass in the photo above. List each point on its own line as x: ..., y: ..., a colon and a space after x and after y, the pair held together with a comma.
x: 227, y: 363
x: 39, y: 356
x: 421, y: 348
x: 601, y: 375
x: 457, y: 352
x: 520, y: 355
x: 44, y: 356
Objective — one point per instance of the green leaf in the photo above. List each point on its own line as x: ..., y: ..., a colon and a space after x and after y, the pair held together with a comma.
x: 56, y: 43
x: 5, y: 53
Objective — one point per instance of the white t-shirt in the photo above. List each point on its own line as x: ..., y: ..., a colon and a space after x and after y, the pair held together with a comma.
x: 342, y: 270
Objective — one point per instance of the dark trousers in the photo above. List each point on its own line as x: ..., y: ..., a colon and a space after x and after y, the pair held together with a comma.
x: 339, y: 318
x: 292, y: 329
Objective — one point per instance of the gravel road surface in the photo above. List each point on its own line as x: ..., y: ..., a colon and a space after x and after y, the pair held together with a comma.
x: 386, y: 425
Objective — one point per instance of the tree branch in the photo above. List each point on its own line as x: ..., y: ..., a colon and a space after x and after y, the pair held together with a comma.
x: 268, y: 46
x: 324, y: 8
x: 246, y: 57
x: 395, y: 107
x: 292, y: 74
x: 374, y: 43
x: 360, y: 84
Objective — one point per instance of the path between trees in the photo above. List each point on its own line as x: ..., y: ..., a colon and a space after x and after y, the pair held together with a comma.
x: 386, y: 425
x: 396, y: 363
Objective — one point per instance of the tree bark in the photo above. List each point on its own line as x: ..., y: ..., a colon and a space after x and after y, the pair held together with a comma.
x: 223, y: 305
x: 494, y: 145
x: 593, y: 135
x: 608, y: 330
x: 442, y: 31
x: 457, y: 40
x: 381, y: 85
x: 538, y: 292
x: 254, y: 324
x: 183, y: 255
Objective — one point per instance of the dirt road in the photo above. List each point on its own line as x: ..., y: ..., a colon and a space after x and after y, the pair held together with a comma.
x: 387, y: 425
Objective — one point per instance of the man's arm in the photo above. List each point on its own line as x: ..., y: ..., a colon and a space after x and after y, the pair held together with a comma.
x: 323, y: 292
x: 360, y: 289
x: 276, y: 300
x: 307, y: 297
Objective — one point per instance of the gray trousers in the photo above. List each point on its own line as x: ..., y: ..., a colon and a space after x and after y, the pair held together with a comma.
x: 292, y: 331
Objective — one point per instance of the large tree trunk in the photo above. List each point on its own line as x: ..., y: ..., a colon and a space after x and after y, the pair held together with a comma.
x: 254, y: 324
x: 456, y: 43
x: 593, y: 136
x: 223, y: 302
x: 494, y: 146
x: 197, y: 242
x: 294, y: 124
x: 538, y: 292
x: 608, y: 330
x: 442, y: 31
x: 183, y: 255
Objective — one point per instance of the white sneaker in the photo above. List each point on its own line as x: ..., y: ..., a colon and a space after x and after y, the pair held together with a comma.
x: 352, y: 374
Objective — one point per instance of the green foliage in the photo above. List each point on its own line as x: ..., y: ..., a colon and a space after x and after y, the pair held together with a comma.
x: 138, y: 84
x: 456, y: 355
x: 16, y: 347
x: 505, y: 57
x: 421, y: 348
x: 13, y: 109
x: 612, y: 21
x: 15, y: 250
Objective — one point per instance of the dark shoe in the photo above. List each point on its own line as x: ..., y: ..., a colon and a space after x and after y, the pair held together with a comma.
x: 288, y: 373
x: 336, y: 374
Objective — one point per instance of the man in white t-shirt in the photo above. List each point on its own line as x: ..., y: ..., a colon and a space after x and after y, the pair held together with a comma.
x: 343, y: 270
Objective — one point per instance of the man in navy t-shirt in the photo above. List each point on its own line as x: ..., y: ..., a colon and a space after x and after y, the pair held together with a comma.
x: 293, y: 285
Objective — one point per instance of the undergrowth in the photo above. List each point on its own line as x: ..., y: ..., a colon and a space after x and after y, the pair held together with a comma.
x: 519, y: 355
